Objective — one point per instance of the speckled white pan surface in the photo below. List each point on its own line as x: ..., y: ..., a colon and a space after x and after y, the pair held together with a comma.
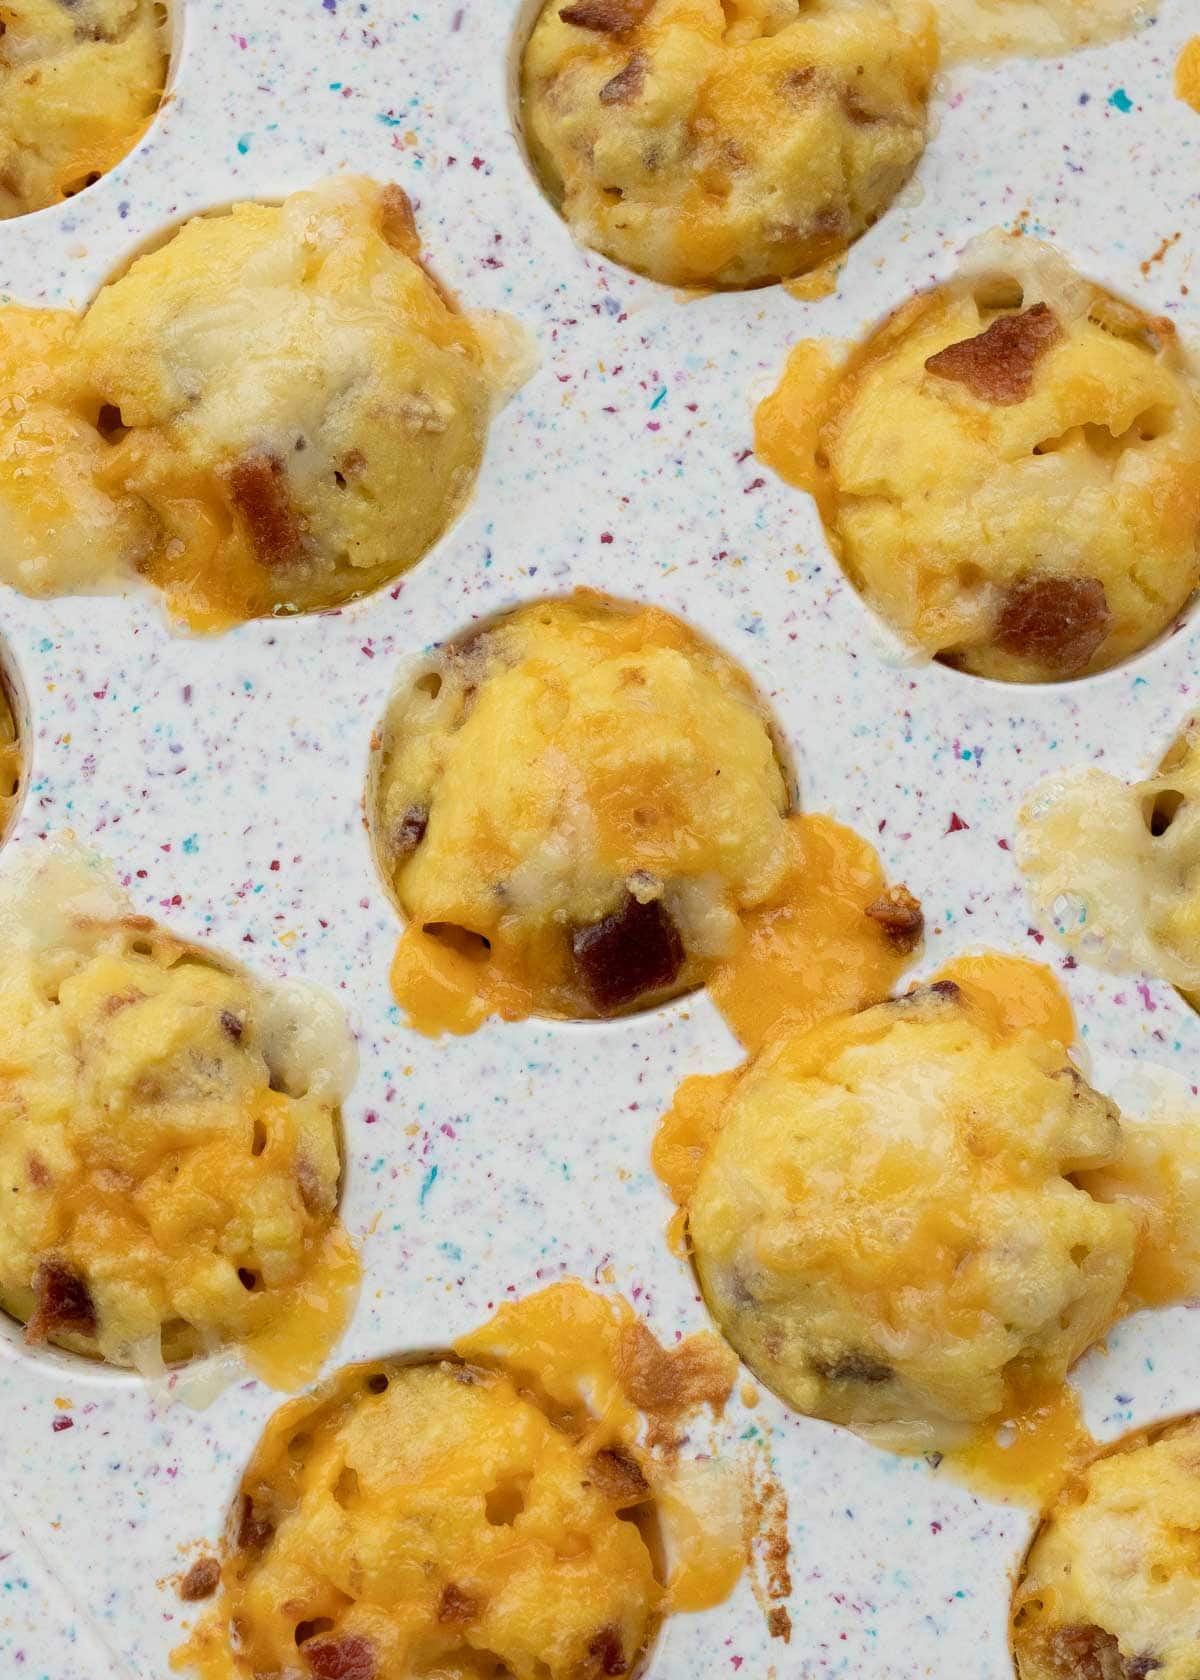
x: 224, y: 777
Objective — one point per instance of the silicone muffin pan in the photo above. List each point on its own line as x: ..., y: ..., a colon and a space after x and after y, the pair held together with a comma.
x: 224, y: 776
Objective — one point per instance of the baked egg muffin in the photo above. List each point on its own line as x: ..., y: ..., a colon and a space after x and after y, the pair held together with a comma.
x: 169, y: 1138
x: 1114, y: 867
x: 1110, y: 1589
x: 494, y: 1513
x: 725, y: 144
x: 883, y: 1219
x: 1008, y: 469
x: 571, y: 807
x: 276, y: 411
x: 79, y: 82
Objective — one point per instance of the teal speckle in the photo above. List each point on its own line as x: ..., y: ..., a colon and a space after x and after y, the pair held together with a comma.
x: 659, y: 399
x: 191, y: 844
x: 244, y: 144
x: 427, y: 1186
x: 1120, y: 100
x: 389, y: 121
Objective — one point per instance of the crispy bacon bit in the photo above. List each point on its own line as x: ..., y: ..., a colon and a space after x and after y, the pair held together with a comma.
x: 855, y: 1367
x: 900, y: 916
x: 39, y: 1173
x: 997, y: 364
x: 637, y: 949
x: 116, y: 1001
x: 254, y: 1529
x: 201, y: 1580
x: 455, y: 1605
x: 411, y: 831
x: 939, y: 993
x: 617, y: 1476
x: 258, y: 488
x: 396, y: 220
x: 1060, y: 622
x: 627, y: 84
x: 779, y: 1624
x: 347, y: 1658
x: 856, y: 112
x: 1091, y: 1653
x: 63, y: 1303
x: 606, y: 17
x: 232, y: 1025
x: 608, y: 1652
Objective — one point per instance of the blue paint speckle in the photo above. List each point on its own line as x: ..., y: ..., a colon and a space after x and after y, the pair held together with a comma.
x: 1120, y: 100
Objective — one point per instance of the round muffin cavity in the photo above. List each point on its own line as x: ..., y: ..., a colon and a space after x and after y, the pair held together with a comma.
x: 1009, y: 469
x: 169, y: 1139
x: 885, y: 1226
x: 1114, y: 867
x: 572, y: 806
x: 80, y: 81
x: 725, y: 142
x: 11, y: 755
x: 274, y: 412
x: 434, y: 1519
x: 1111, y: 1585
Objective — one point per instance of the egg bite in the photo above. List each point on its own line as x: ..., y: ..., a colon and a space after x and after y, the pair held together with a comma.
x: 169, y: 1138
x: 494, y: 1512
x: 1111, y: 1585
x: 883, y: 1218
x: 276, y: 411
x: 79, y: 82
x: 572, y: 807
x: 1008, y: 468
x: 1114, y: 867
x: 725, y: 145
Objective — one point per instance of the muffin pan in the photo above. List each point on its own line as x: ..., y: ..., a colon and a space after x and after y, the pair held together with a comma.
x: 224, y: 778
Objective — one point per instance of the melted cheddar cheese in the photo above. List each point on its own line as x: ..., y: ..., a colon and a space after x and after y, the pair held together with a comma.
x: 1111, y: 1584
x: 79, y: 83
x: 11, y: 760
x: 1114, y: 867
x: 882, y: 1217
x: 1008, y: 469
x: 169, y: 1148
x: 500, y: 1512
x: 580, y: 810
x: 274, y: 412
x: 726, y: 142
x: 975, y: 29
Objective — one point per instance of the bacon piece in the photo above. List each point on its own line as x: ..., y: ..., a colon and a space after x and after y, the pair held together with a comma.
x: 232, y: 1025
x: 255, y: 1529
x: 900, y: 916
x: 347, y: 1658
x: 637, y: 949
x: 606, y: 17
x: 1060, y: 622
x: 608, y: 1652
x: 411, y: 832
x: 318, y: 1198
x: 1087, y: 1652
x: 396, y: 220
x: 617, y: 1476
x: 39, y: 1173
x: 455, y: 1605
x: 627, y: 84
x: 201, y: 1580
x: 63, y: 1302
x: 997, y: 364
x: 258, y: 488
x: 854, y: 1367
